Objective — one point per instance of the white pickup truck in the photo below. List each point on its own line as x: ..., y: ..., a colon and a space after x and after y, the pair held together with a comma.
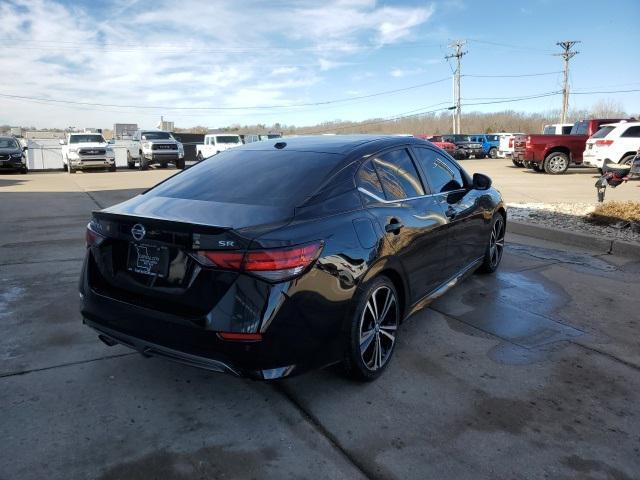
x: 154, y: 147
x: 216, y: 143
x: 86, y: 150
x: 505, y: 148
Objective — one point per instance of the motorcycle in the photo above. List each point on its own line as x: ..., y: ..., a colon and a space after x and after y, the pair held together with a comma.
x: 614, y: 174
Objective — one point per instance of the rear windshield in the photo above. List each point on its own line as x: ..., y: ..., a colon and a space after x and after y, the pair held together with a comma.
x: 492, y: 138
x: 86, y: 139
x: 603, y: 132
x: 549, y: 130
x: 156, y: 136
x: 274, y: 178
x: 228, y: 139
x: 580, y: 128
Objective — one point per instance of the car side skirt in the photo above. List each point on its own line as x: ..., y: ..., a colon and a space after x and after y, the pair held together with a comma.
x: 444, y: 287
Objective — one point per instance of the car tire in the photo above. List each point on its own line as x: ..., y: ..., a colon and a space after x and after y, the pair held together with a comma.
x: 143, y: 163
x: 481, y: 156
x: 495, y: 245
x: 24, y: 170
x: 493, y: 152
x: 70, y: 169
x: 516, y: 163
x: 180, y: 164
x: 372, y: 334
x: 131, y: 164
x: 536, y: 167
x: 628, y: 159
x: 556, y: 163
x: 199, y: 157
x: 112, y: 168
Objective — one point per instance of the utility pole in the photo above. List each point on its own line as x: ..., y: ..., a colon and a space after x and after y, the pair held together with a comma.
x: 567, y: 55
x: 458, y: 54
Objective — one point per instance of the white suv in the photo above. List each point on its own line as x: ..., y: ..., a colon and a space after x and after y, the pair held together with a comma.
x: 618, y: 142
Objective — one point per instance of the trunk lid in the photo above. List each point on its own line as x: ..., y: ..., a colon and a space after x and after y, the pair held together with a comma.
x: 149, y: 253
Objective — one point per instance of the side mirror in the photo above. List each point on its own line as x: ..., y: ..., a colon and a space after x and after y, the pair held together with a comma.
x: 25, y: 148
x: 62, y: 142
x: 481, y: 181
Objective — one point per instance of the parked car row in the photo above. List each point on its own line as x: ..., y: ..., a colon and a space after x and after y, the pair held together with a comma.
x: 83, y: 151
x: 585, y: 144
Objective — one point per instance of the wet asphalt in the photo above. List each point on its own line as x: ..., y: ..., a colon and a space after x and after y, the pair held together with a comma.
x: 530, y: 373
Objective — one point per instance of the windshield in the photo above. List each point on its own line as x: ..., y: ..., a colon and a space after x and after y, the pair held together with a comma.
x: 275, y: 178
x: 228, y: 139
x: 603, y: 132
x: 8, y: 143
x: 492, y: 138
x: 86, y: 139
x: 156, y: 136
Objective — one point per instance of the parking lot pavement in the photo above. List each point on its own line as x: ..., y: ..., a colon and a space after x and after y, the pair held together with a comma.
x: 523, y: 185
x: 530, y: 373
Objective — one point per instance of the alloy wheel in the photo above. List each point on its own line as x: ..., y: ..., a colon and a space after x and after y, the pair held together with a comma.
x: 496, y: 242
x: 557, y: 163
x: 378, y: 328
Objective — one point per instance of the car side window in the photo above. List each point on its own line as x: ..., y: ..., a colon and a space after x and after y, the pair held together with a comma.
x: 631, y: 132
x: 398, y: 175
x: 368, y: 179
x: 442, y: 174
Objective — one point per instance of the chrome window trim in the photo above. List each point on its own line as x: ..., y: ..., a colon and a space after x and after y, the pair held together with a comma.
x: 378, y: 199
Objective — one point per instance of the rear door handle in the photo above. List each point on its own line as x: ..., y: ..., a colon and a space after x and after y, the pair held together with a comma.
x: 393, y: 227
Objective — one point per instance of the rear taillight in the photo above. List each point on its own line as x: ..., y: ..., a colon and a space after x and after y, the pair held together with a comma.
x: 511, y: 142
x: 527, y: 143
x: 272, y: 264
x: 604, y: 143
x: 91, y: 236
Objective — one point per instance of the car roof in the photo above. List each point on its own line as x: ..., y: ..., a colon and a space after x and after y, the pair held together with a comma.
x: 620, y: 124
x: 339, y: 144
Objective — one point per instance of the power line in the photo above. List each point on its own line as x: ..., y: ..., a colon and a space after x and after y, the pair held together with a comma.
x: 261, y: 107
x: 566, y: 55
x: 511, y: 76
x: 511, y: 46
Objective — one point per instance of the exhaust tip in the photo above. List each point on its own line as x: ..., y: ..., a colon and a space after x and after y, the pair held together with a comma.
x: 107, y: 341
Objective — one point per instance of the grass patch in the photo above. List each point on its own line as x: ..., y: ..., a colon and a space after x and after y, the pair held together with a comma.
x: 609, y: 213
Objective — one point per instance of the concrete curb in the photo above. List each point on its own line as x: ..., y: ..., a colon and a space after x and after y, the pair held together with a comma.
x: 583, y: 240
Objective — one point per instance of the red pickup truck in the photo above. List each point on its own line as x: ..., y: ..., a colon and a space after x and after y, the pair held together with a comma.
x: 554, y: 153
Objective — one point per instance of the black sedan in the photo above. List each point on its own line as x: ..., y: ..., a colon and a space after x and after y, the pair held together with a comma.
x: 289, y: 254
x: 12, y: 155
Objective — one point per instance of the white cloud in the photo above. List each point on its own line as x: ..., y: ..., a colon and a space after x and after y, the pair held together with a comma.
x: 399, y: 72
x: 187, y: 53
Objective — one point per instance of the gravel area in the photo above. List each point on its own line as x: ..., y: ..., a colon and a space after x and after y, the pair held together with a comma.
x: 568, y: 216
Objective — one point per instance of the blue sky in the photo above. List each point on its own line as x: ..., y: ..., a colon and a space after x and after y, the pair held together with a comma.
x: 222, y: 62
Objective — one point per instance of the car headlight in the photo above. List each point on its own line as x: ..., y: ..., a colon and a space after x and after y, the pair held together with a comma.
x: 146, y: 145
x: 16, y: 155
x: 73, y: 150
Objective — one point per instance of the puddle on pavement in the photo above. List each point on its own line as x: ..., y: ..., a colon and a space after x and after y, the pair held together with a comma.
x: 579, y: 260
x: 517, y: 307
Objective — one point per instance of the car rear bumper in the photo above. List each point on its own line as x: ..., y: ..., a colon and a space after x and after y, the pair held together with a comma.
x: 592, y: 161
x: 299, y: 331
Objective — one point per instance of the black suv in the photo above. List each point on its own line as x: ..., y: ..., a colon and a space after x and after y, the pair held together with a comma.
x: 463, y: 142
